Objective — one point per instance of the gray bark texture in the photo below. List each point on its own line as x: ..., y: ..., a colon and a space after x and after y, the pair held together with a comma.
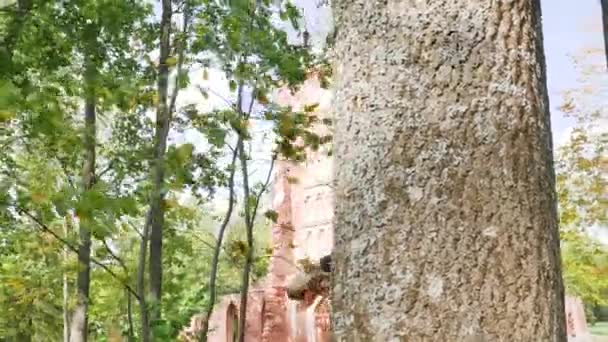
x: 157, y: 207
x: 79, y: 323
x: 445, y: 222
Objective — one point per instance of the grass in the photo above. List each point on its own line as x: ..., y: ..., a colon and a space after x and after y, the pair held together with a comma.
x: 599, y: 329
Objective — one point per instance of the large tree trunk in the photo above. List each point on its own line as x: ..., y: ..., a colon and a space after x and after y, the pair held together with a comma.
x: 446, y: 226
x: 157, y: 207
x: 79, y: 321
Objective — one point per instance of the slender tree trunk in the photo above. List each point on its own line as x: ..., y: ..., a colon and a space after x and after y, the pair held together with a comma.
x: 66, y: 287
x: 141, y: 282
x: 202, y: 335
x: 157, y: 208
x: 79, y: 322
x: 131, y: 331
x: 249, y: 254
x: 66, y: 312
x: 446, y: 225
x: 605, y: 28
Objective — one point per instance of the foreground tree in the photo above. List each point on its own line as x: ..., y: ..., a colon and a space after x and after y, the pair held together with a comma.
x: 446, y: 225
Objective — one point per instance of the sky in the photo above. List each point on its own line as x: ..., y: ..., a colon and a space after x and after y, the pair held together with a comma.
x: 569, y: 27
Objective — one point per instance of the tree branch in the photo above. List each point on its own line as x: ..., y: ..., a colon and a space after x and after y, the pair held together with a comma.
x: 106, y: 170
x: 115, y: 257
x: 66, y: 173
x: 180, y: 59
x: 209, y: 90
x: 135, y: 229
x: 264, y: 187
x: 74, y: 249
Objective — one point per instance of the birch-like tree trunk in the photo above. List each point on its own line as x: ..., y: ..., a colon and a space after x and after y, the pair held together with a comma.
x: 446, y: 226
x: 79, y: 321
x: 604, y: 4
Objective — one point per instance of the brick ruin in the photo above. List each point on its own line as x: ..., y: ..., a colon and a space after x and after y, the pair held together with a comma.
x: 304, y: 231
x: 302, y: 197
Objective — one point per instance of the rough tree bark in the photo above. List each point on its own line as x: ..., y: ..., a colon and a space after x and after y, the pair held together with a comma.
x: 79, y: 321
x: 446, y: 226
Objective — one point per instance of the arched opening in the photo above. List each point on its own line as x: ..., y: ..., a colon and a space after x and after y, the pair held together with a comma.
x: 232, y: 324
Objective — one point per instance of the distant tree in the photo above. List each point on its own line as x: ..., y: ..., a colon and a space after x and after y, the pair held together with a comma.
x: 582, y: 183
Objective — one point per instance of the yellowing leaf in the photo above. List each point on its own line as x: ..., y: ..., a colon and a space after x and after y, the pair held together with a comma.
x: 171, y: 203
x: 5, y: 115
x: 311, y: 108
x: 171, y: 61
x: 38, y: 197
x: 261, y: 96
x: 567, y: 107
x: 16, y: 284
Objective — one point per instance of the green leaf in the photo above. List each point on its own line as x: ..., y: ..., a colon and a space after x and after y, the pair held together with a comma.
x: 183, y: 79
x: 171, y: 61
x: 184, y: 153
x: 9, y: 95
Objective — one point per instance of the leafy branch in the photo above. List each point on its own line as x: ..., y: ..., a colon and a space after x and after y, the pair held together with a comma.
x: 74, y: 249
